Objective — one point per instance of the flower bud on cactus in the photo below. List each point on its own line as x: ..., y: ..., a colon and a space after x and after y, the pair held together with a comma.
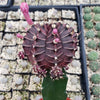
x: 25, y: 9
x: 21, y: 55
x: 55, y: 41
x: 19, y: 36
x: 55, y: 31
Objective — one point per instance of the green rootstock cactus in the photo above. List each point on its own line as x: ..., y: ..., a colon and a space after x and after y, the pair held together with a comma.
x: 89, y: 25
x: 92, y: 44
x: 94, y: 66
x: 49, y: 50
x: 97, y: 26
x: 95, y: 78
x: 97, y: 17
x: 90, y: 34
x: 87, y: 17
x: 96, y: 9
x: 96, y: 90
x: 87, y: 9
x: 98, y: 34
x: 54, y: 89
x: 93, y: 55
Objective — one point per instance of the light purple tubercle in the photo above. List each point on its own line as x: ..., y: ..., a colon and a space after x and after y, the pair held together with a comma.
x: 25, y: 10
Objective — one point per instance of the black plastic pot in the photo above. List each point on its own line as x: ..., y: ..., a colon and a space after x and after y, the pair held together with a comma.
x: 9, y: 3
x: 84, y: 76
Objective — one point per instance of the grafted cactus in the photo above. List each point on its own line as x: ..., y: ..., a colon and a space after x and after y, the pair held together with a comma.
x: 50, y: 48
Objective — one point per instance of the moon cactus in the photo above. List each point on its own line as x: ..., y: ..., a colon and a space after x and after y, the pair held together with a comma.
x: 50, y: 48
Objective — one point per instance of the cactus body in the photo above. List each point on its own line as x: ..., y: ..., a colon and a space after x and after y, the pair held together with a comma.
x: 93, y: 55
x: 90, y: 34
x: 87, y: 17
x: 89, y: 25
x: 94, y: 66
x: 49, y: 48
x: 95, y: 78
x: 92, y: 44
x: 87, y: 10
x: 96, y: 90
x: 54, y: 89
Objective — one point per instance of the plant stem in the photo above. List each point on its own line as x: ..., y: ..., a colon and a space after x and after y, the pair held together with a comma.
x: 54, y: 89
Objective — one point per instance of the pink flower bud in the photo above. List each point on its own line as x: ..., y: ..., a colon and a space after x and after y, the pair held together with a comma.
x: 19, y: 36
x: 24, y: 7
x: 55, y: 41
x: 25, y: 10
x: 26, y: 29
x: 55, y: 31
x: 21, y: 55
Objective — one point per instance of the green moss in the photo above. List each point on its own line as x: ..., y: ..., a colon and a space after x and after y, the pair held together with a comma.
x: 94, y: 66
x: 87, y: 17
x: 96, y: 9
x: 95, y: 78
x: 97, y: 17
x: 98, y: 34
x: 92, y: 44
x: 90, y: 34
x: 87, y: 10
x: 97, y: 26
x: 89, y: 25
x: 96, y: 90
x: 93, y: 55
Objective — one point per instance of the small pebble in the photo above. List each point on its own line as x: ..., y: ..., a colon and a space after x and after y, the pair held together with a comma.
x: 75, y: 63
x: 19, y: 81
x: 24, y: 64
x: 2, y: 97
x: 3, y: 80
x: 78, y: 98
x: 24, y: 24
x: 2, y: 14
x: 8, y: 37
x: 9, y: 25
x: 9, y: 51
x: 36, y: 79
x: 38, y: 97
x: 6, y: 66
x: 19, y: 98
x: 74, y: 81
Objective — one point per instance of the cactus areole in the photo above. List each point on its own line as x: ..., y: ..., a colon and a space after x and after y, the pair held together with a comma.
x: 50, y: 48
